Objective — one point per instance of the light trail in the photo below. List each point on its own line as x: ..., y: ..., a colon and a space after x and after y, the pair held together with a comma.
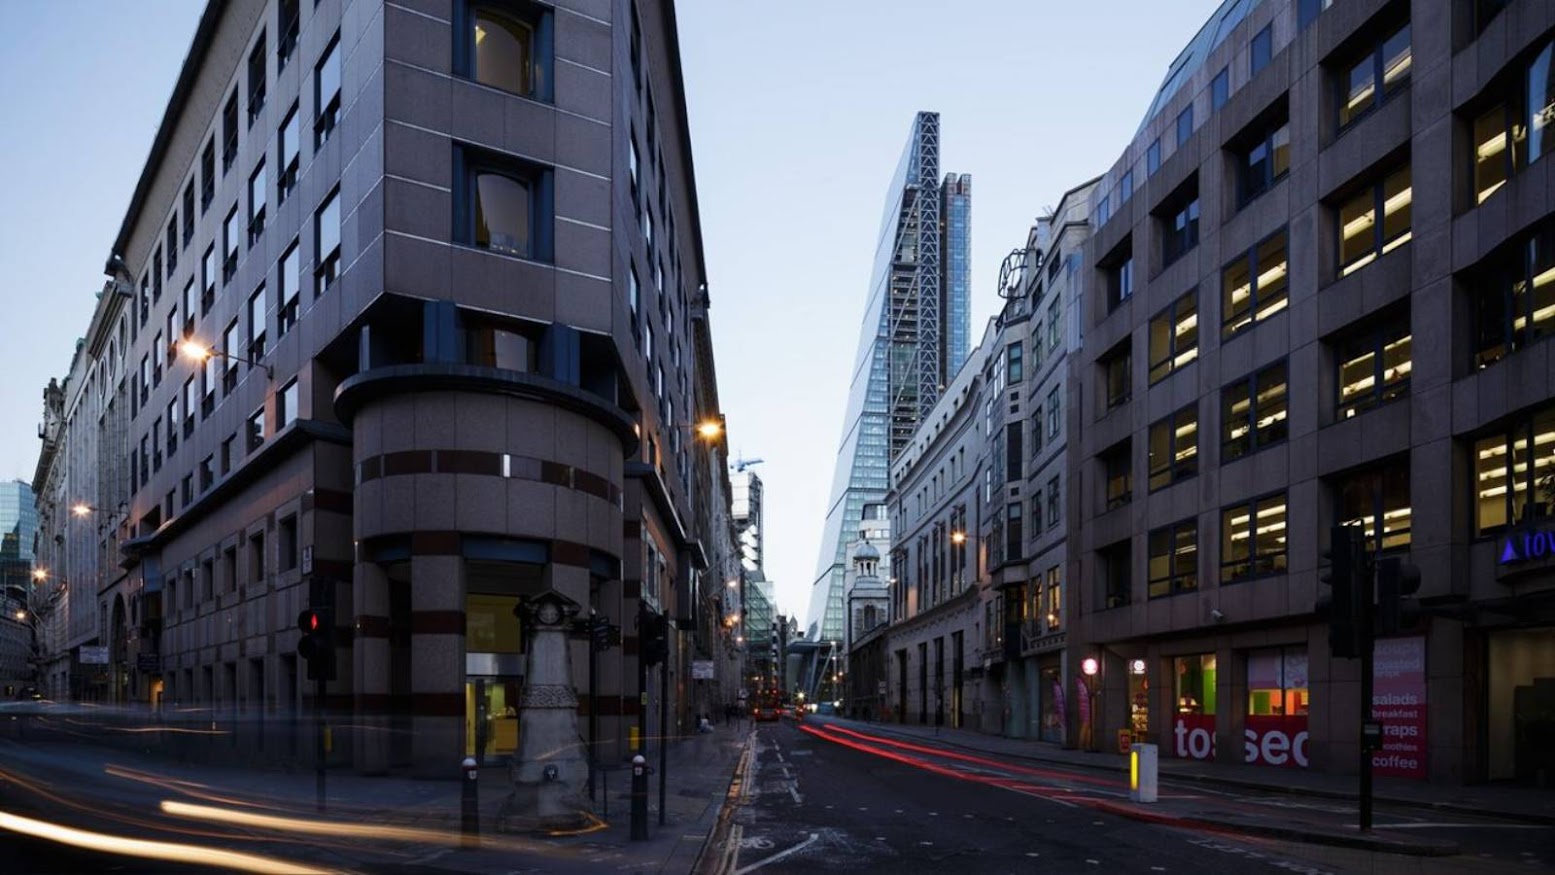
x: 152, y: 850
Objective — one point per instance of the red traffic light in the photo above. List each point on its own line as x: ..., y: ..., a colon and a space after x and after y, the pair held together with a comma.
x: 309, y: 622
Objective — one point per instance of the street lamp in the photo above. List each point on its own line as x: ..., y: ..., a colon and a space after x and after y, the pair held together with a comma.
x: 199, y: 352
x: 958, y: 538
x: 40, y: 574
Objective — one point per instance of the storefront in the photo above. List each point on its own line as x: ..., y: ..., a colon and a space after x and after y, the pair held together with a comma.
x: 1138, y: 700
x: 1521, y: 707
x: 1275, y: 732
x: 1050, y: 692
x: 1193, y: 729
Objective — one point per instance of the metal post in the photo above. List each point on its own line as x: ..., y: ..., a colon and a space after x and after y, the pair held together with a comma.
x: 320, y: 752
x: 639, y: 799
x: 593, y: 652
x: 664, y: 733
x: 469, y: 804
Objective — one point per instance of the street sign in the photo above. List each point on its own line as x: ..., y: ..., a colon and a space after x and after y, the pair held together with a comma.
x: 94, y: 654
x: 701, y: 669
x: 307, y: 559
x: 148, y: 662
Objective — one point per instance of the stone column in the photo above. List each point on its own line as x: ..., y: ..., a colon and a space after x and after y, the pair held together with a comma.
x: 370, y: 657
x: 550, y: 770
x: 437, y: 662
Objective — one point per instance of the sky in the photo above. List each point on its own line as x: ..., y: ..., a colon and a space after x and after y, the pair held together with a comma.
x: 798, y: 114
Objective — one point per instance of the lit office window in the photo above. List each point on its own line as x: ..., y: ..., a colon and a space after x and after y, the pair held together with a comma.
x: 1375, y: 221
x: 1252, y: 539
x: 1254, y: 286
x: 1174, y: 336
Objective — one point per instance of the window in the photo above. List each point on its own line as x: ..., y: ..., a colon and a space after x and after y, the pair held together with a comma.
x: 1117, y: 366
x: 633, y: 165
x: 1220, y: 89
x: 256, y: 80
x: 286, y: 35
x: 1254, y: 286
x: 1117, y: 468
x: 1514, y: 297
x: 256, y: 557
x: 1153, y: 157
x: 1038, y: 345
x: 1252, y: 539
x: 208, y: 176
x: 172, y: 245
x: 230, y: 343
x: 229, y: 242
x: 1055, y: 598
x: 1184, y: 125
x: 229, y: 133
x: 1125, y: 188
x: 256, y: 203
x: 1115, y: 561
x: 1252, y: 413
x: 1036, y: 430
x: 1174, y: 559
x: 256, y: 324
x: 1174, y: 448
x: 207, y: 473
x: 1014, y: 456
x: 1012, y: 363
x: 226, y: 455
x: 188, y: 234
x: 1374, y: 367
x: 209, y: 379
x: 191, y: 404
x: 1014, y: 538
x: 1052, y: 503
x: 504, y: 212
x: 256, y: 429
x: 1103, y: 210
x: 145, y: 378
x: 1054, y: 329
x: 1512, y: 475
x: 286, y: 543
x: 1377, y: 500
x: 186, y: 491
x: 1261, y: 49
x: 1180, y: 225
x: 288, y: 280
x: 286, y: 405
x: 633, y: 292
x: 1362, y: 237
x: 503, y: 46
x: 173, y: 418
x: 1374, y: 78
x: 208, y: 279
x: 326, y: 243
x: 189, y: 317
x: 1514, y: 132
x: 1174, y: 336
x: 1263, y: 162
x: 1307, y: 11
x: 326, y: 93
x: 1120, y: 282
x: 290, y: 155
x: 156, y: 442
x: 1054, y: 417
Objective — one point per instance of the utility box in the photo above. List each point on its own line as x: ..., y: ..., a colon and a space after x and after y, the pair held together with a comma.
x: 1143, y: 773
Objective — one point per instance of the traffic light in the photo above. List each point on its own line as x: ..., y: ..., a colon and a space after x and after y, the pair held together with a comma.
x: 317, y: 644
x: 1397, y: 581
x: 1345, y: 556
x: 653, y: 632
x: 599, y: 633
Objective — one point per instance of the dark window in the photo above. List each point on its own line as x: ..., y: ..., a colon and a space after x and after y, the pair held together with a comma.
x: 1014, y: 456
x: 229, y: 133
x: 172, y: 245
x: 226, y: 455
x: 156, y: 442
x: 1012, y: 363
x: 1116, y: 561
x: 230, y: 235
x: 326, y: 93
x: 256, y: 429
x: 1153, y: 157
x: 188, y: 213
x: 186, y: 491
x: 506, y: 46
x: 1253, y: 412
x: 326, y: 243
x: 1307, y: 11
x: 1515, y: 479
x: 1377, y: 501
x: 1184, y: 125
x: 286, y: 548
x: 290, y: 155
x: 286, y: 34
x: 191, y: 404
x: 256, y: 557
x: 1255, y: 286
x: 1125, y: 188
x: 256, y: 324
x: 1375, y: 221
x: 256, y: 80
x: 1374, y: 366
x: 1174, y: 336
x: 256, y: 203
x: 208, y: 279
x: 207, y: 472
x: 1174, y: 448
x: 189, y: 312
x: 1252, y: 539
x: 1174, y: 559
x: 1117, y: 366
x: 231, y: 343
x: 1514, y: 297
x: 1118, y: 468
x: 1262, y: 49
x: 156, y: 275
x: 1120, y: 282
x: 288, y: 283
x: 1371, y: 79
x: 207, y: 176
x: 507, y: 208
x: 1220, y: 89
x: 1180, y: 225
x: 286, y: 405
x: 1264, y: 161
x: 1013, y: 534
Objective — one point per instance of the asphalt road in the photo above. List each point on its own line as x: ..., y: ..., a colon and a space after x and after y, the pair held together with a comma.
x: 820, y: 805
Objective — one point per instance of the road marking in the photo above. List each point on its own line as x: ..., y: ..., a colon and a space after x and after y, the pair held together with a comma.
x: 1032, y: 854
x: 793, y: 790
x: 779, y: 855
x: 1093, y: 862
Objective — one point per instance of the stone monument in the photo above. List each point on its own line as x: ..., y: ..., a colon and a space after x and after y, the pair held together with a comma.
x: 550, y: 770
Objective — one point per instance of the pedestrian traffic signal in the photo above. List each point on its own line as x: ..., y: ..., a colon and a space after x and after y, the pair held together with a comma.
x: 1347, y: 578
x: 1397, y: 582
x: 317, y: 644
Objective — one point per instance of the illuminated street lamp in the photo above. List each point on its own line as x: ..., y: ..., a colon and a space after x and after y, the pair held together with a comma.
x: 198, y: 352
x: 40, y: 574
x: 958, y: 538
x: 709, y: 429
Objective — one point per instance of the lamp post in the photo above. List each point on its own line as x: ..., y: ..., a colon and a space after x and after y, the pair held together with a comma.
x: 198, y: 352
x: 1089, y: 667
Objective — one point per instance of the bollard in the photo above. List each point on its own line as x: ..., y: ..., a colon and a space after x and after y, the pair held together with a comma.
x: 1143, y: 773
x: 470, y: 804
x: 639, y: 799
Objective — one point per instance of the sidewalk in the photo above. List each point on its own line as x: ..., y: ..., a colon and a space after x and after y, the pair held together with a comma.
x: 1301, y: 821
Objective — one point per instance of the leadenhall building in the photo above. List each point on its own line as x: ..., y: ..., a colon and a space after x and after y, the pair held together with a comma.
x: 1284, y: 338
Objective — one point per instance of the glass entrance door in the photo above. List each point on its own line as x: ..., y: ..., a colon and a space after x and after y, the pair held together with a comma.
x: 491, y: 717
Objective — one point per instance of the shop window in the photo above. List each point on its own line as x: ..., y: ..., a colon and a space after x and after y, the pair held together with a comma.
x: 490, y: 625
x: 1193, y: 690
x: 1253, y: 413
x: 1254, y: 286
x: 1377, y: 500
x: 1370, y: 80
x: 1174, y: 448
x: 1514, y: 297
x: 1174, y: 336
x: 1174, y: 559
x: 1373, y: 366
x: 1252, y: 539
x: 1514, y: 473
x: 1375, y: 221
x: 1277, y: 700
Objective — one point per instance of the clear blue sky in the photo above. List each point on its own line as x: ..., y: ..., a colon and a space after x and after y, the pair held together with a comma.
x: 798, y: 115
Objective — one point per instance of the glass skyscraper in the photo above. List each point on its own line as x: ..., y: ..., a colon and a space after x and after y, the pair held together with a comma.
x: 18, y: 530
x: 913, y: 339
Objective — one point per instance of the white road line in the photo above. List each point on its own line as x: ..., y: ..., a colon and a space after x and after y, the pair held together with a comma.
x: 779, y: 855
x: 793, y: 790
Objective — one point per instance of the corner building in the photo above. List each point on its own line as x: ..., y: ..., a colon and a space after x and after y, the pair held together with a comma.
x: 450, y: 251
x: 1317, y: 276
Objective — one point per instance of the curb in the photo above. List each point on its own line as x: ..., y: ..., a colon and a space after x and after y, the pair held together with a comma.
x: 716, y: 856
x: 1313, y: 837
x: 1240, y: 783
